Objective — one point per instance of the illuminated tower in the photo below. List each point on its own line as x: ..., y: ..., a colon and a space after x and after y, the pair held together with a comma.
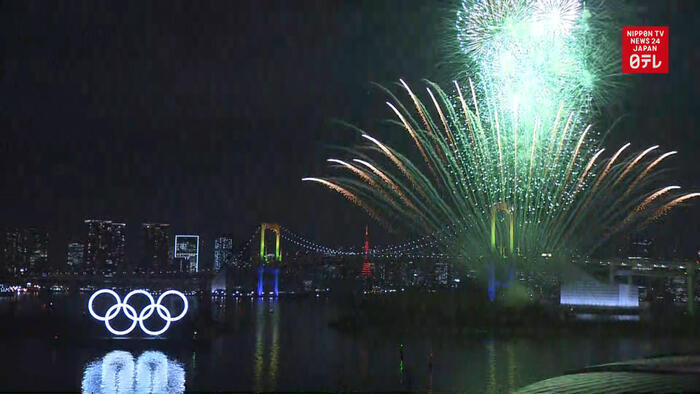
x: 265, y: 264
x: 263, y: 252
x: 366, y: 266
x: 502, y: 246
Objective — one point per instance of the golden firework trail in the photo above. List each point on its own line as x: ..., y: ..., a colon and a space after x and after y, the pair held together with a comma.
x: 649, y: 168
x: 668, y: 206
x: 634, y: 162
x: 348, y: 195
x: 485, y: 161
x: 654, y: 196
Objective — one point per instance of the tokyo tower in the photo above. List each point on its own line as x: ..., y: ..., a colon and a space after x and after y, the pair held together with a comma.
x: 366, y: 266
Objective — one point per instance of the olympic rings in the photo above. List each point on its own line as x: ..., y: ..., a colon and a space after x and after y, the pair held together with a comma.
x: 130, y: 312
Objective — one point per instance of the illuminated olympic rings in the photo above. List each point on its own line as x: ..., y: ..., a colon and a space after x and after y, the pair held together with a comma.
x: 130, y: 312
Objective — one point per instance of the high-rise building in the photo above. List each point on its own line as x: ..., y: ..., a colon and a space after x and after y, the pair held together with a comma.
x: 442, y: 273
x: 105, y: 246
x: 157, y: 254
x: 75, y: 256
x: 96, y: 245
x: 37, y: 246
x: 186, y: 253
x: 14, y: 253
x: 25, y: 250
x: 119, y: 245
x: 223, y: 252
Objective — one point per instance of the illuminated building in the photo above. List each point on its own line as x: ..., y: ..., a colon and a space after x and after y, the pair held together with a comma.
x: 37, y: 246
x: 223, y: 252
x: 14, y: 254
x: 25, y: 250
x: 105, y: 245
x: 157, y: 255
x: 187, y: 252
x: 75, y: 256
x: 118, y: 245
x: 595, y: 294
x: 96, y: 246
x: 442, y: 273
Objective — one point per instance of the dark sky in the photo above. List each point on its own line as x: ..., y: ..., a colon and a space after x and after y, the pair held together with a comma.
x: 207, y: 114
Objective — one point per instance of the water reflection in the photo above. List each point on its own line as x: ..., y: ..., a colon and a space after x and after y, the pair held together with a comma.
x: 266, y: 338
x: 491, y: 351
x: 503, y: 365
x: 512, y: 367
x: 288, y: 344
x: 117, y: 372
x: 605, y: 317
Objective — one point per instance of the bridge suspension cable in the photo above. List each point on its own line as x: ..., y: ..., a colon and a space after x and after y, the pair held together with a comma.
x: 426, y: 243
x: 247, y: 244
x: 312, y: 246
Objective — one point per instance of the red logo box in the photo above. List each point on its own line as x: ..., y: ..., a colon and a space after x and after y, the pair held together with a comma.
x: 645, y: 49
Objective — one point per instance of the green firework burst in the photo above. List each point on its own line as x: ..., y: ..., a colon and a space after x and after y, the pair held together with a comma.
x: 555, y: 191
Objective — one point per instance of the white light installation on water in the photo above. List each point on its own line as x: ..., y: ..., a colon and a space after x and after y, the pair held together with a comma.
x: 117, y: 372
x: 130, y: 312
x: 596, y: 294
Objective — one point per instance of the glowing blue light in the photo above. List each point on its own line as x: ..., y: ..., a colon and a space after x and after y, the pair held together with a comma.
x: 261, y: 281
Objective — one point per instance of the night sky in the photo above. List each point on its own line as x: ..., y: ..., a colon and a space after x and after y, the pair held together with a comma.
x: 206, y: 115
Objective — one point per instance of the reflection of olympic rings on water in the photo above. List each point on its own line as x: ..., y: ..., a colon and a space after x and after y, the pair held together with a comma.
x: 130, y: 312
x: 121, y: 372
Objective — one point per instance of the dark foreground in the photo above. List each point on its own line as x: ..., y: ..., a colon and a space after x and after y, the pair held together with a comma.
x: 306, y: 344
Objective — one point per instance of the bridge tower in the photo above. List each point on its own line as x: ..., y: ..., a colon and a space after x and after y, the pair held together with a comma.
x: 276, y: 229
x: 497, y: 244
x: 366, y: 266
x: 267, y: 266
x: 502, y: 247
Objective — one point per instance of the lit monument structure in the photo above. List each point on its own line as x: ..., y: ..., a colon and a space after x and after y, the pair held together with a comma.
x: 269, y: 263
x: 502, y: 246
x: 366, y: 265
x: 140, y: 317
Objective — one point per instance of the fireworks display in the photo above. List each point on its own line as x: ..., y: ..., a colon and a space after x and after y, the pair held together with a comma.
x: 534, y: 56
x: 556, y: 193
x: 509, y: 160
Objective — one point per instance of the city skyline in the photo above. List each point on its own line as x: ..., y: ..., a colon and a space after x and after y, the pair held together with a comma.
x: 155, y: 244
x: 243, y: 137
x: 361, y: 196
